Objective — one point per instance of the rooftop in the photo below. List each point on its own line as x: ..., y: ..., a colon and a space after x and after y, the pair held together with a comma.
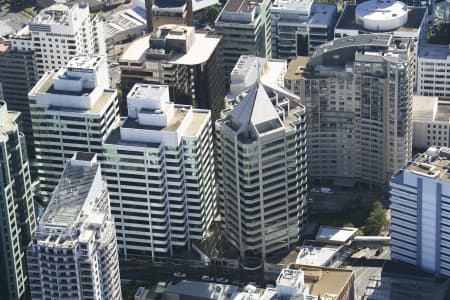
x: 200, y: 51
x: 296, y: 68
x: 241, y: 6
x: 434, y: 163
x: 70, y: 195
x: 56, y: 14
x: 301, y: 11
x: 347, y: 20
x: 84, y: 62
x: 424, y: 108
x: 331, y: 281
x: 45, y: 86
x: 432, y: 51
x: 201, y: 290
x: 338, y: 235
x: 366, y: 40
x: 293, y: 5
x: 8, y: 121
x: 316, y: 254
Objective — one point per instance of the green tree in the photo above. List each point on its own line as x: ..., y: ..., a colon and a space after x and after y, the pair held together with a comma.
x: 376, y: 220
x: 212, y: 14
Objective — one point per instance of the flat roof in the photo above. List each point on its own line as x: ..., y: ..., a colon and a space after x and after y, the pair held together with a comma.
x: 431, y: 51
x: 432, y: 164
x: 347, y: 19
x: 200, y: 51
x: 241, y: 6
x: 85, y: 62
x: 316, y: 254
x: 146, y: 91
x: 201, y: 290
x: 331, y: 283
x: 424, y: 108
x: 296, y: 67
x: 339, y: 235
x: 46, y: 86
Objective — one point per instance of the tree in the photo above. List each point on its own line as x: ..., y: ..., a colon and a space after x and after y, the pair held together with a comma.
x: 212, y: 14
x: 376, y: 220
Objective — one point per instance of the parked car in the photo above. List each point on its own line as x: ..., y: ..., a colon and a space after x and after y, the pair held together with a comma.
x: 221, y: 280
x: 207, y: 278
x: 179, y: 275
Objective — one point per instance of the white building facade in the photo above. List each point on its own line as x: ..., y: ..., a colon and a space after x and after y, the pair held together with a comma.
x: 58, y: 33
x: 431, y: 122
x: 73, y: 253
x: 72, y: 109
x: 420, y: 201
x: 433, y: 70
x: 159, y: 167
x: 261, y: 161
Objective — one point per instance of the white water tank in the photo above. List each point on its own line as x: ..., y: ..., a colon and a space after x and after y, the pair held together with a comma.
x: 381, y: 15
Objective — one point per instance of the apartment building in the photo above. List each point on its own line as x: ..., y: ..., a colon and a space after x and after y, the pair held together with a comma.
x: 420, y: 197
x: 73, y: 253
x: 433, y: 70
x: 17, y: 220
x: 72, y: 109
x: 189, y: 62
x: 358, y: 95
x: 58, y: 33
x: 299, y: 26
x: 245, y: 29
x: 159, y: 166
x: 261, y: 172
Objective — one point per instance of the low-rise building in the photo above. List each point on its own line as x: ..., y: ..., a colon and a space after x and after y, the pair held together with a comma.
x: 299, y: 26
x: 431, y: 122
x: 433, y: 70
x: 295, y: 282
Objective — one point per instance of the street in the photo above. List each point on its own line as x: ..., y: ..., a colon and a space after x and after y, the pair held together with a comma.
x: 366, y: 268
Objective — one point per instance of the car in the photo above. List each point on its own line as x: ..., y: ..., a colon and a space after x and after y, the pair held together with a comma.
x: 179, y: 275
x: 207, y: 278
x: 221, y: 280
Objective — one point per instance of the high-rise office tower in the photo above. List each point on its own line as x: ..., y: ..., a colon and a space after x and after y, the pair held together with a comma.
x: 159, y: 167
x: 420, y: 201
x: 358, y: 96
x: 17, y: 219
x: 73, y: 109
x: 245, y: 29
x: 299, y: 26
x: 261, y: 171
x: 59, y: 33
x: 189, y: 62
x: 18, y: 76
x: 73, y: 253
